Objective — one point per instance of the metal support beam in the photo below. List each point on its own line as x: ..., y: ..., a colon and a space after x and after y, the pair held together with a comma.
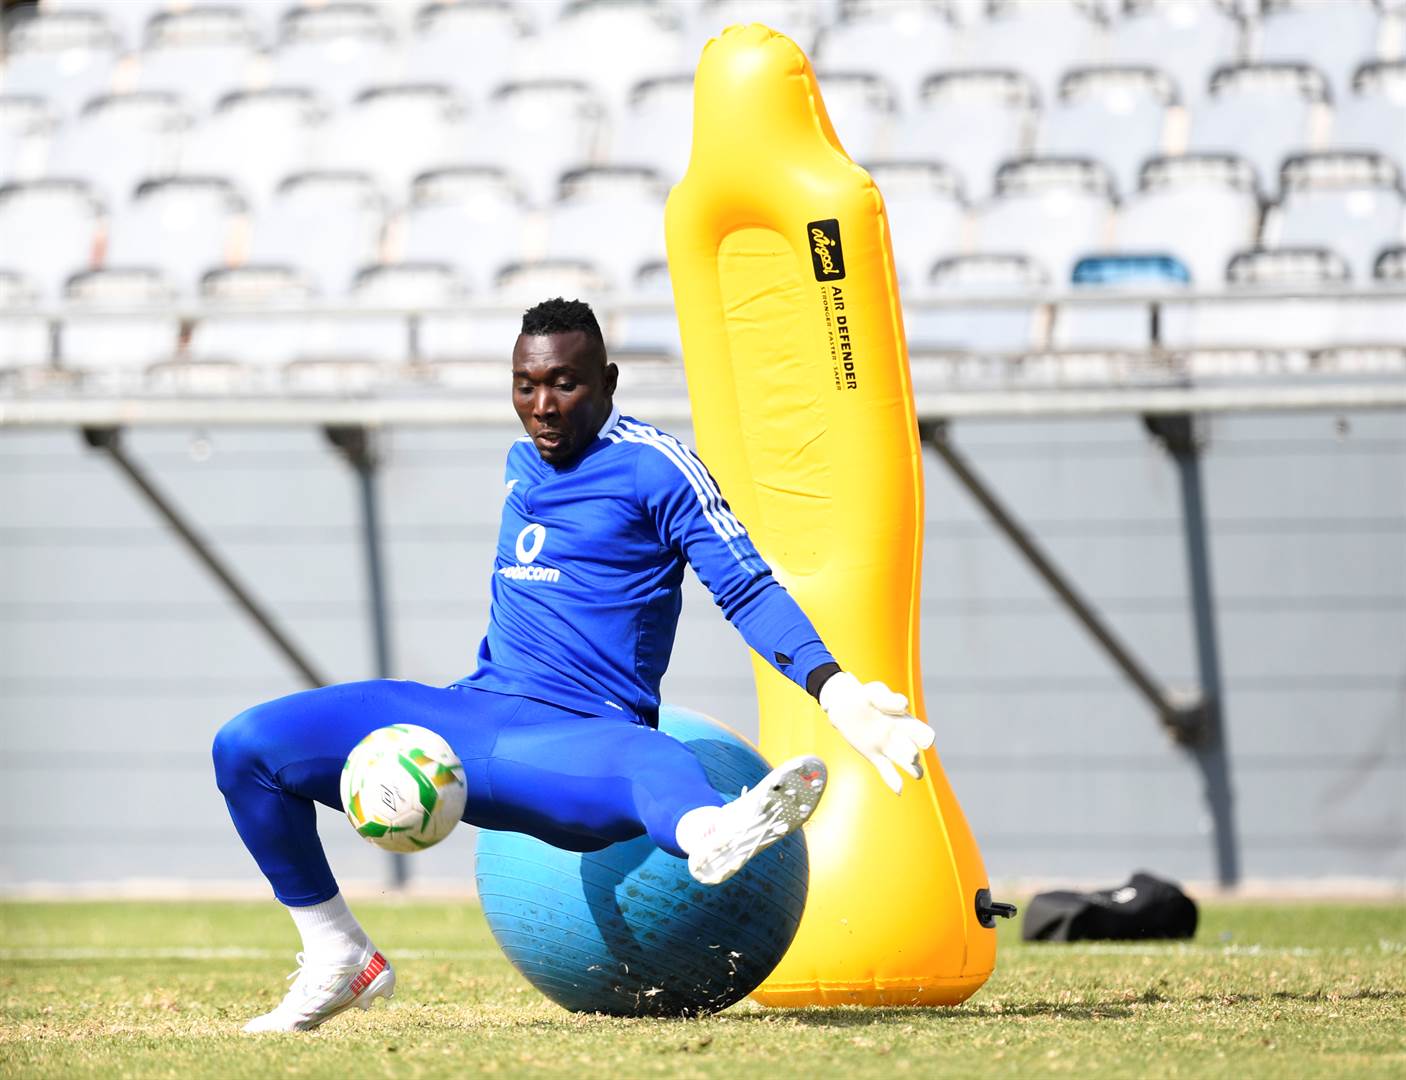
x: 1183, y: 716
x: 109, y: 440
x: 358, y: 446
x: 1178, y: 434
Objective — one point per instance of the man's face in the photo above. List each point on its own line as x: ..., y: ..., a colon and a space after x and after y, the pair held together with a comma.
x: 562, y: 389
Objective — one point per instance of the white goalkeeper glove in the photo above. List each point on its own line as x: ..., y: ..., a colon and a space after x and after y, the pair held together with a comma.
x: 876, y: 722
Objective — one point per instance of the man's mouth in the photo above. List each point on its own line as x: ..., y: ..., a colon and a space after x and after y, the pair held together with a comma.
x: 549, y: 438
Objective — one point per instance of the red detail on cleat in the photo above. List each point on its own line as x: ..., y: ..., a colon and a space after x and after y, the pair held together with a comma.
x: 368, y: 973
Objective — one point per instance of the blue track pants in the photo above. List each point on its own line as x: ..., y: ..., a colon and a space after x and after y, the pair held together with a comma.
x: 578, y: 782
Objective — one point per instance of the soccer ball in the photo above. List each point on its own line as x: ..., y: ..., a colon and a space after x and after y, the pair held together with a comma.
x: 403, y: 788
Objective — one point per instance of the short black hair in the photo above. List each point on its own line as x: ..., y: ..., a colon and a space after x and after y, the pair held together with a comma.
x: 560, y: 316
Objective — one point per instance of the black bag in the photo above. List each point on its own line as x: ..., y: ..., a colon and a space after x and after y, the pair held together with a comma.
x: 1146, y: 907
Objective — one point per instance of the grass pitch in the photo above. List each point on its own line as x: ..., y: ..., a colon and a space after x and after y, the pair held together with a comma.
x: 160, y: 989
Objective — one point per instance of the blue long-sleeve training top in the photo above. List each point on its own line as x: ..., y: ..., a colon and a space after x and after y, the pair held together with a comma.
x: 586, y: 582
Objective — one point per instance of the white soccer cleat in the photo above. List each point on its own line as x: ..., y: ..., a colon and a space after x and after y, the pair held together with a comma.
x: 321, y: 991
x: 756, y: 819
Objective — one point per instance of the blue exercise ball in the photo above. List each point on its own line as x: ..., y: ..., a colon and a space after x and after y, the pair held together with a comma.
x: 626, y: 930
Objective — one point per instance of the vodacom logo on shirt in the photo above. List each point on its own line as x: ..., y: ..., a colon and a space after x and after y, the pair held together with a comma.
x: 530, y: 542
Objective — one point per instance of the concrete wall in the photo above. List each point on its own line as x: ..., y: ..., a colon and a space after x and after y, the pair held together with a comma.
x: 119, y: 657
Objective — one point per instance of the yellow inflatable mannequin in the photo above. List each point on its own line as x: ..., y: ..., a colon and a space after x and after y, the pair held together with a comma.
x: 802, y: 401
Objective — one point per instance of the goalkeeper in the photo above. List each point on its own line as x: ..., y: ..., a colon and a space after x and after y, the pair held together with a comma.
x: 556, y: 726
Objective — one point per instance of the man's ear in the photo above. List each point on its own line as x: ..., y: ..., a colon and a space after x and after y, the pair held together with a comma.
x: 612, y: 376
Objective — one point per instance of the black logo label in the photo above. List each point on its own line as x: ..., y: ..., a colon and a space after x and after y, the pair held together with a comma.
x: 826, y: 253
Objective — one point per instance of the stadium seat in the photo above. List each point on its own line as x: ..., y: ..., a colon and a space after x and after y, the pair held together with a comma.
x: 611, y: 217
x: 66, y: 58
x: 258, y: 338
x: 609, y: 45
x: 1041, y: 38
x: 980, y: 328
x: 98, y: 343
x: 656, y: 128
x: 48, y: 231
x: 1115, y: 115
x: 257, y: 138
x: 201, y: 54
x: 1334, y: 36
x: 1202, y: 208
x: 327, y: 225
x: 1262, y: 112
x: 181, y: 227
x: 905, y: 42
x: 26, y: 131
x: 1051, y: 210
x: 799, y: 20
x: 1122, y: 323
x: 1351, y: 203
x: 336, y: 50
x: 24, y: 339
x: 445, y: 33
x: 394, y: 133
x: 1308, y: 318
x: 1187, y: 39
x: 538, y: 130
x: 973, y: 121
x: 1374, y: 117
x: 119, y: 141
x: 647, y: 333
x: 926, y: 216
x: 862, y: 110
x: 129, y: 19
x: 470, y: 219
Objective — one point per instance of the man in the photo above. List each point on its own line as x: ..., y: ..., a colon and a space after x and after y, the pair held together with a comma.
x: 556, y: 726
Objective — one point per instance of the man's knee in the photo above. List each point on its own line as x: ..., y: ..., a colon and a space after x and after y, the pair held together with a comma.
x: 238, y: 748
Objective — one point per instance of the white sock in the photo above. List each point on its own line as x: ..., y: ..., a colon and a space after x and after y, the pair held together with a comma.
x: 695, y: 827
x: 331, y: 934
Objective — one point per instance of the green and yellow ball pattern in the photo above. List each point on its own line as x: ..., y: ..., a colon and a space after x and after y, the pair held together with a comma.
x: 403, y: 788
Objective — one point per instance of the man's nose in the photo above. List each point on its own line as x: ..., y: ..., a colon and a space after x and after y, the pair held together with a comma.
x: 544, y: 402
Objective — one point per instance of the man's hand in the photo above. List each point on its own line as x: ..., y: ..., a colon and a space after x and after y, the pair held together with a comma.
x: 876, y: 722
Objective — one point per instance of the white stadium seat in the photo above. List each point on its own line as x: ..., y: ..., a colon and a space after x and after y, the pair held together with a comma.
x: 648, y: 333
x: 925, y: 213
x: 252, y: 334
x: 66, y: 58
x: 1051, y: 210
x: 905, y: 42
x: 182, y: 227
x: 1351, y: 203
x: 394, y: 133
x: 48, y: 232
x: 611, y: 217
x: 26, y: 131
x: 471, y: 219
x: 1374, y: 117
x: 973, y: 122
x: 129, y: 19
x: 1188, y: 39
x: 24, y: 339
x: 1334, y: 36
x: 1262, y: 112
x: 327, y: 225
x: 1041, y: 38
x: 446, y: 33
x: 119, y: 141
x: 1115, y: 115
x: 611, y: 46
x: 799, y: 20
x: 862, y: 110
x: 1200, y: 208
x: 201, y: 54
x: 538, y: 130
x: 258, y: 138
x: 375, y: 339
x: 337, y: 50
x: 981, y: 328
x: 656, y: 128
x: 96, y: 342
x: 1246, y: 321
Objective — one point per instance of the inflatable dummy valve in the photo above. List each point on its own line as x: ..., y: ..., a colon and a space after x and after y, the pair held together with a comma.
x: 802, y: 402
